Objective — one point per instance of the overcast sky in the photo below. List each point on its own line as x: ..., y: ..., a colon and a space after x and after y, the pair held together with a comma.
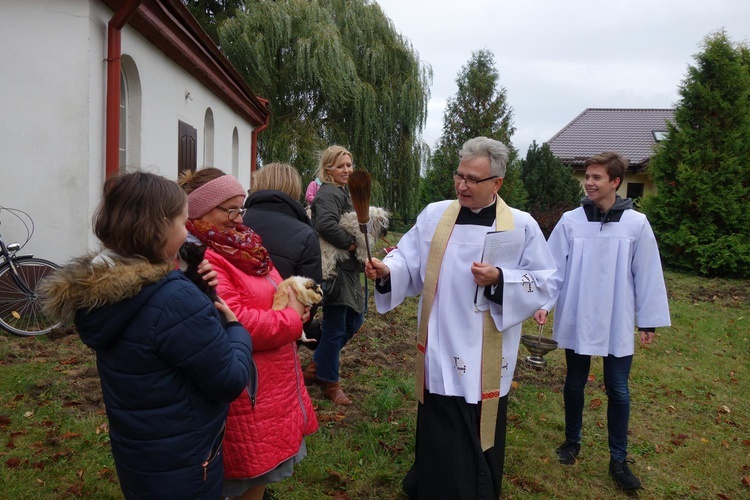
x: 557, y: 58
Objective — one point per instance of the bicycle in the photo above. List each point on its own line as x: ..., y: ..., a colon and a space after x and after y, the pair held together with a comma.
x: 20, y: 275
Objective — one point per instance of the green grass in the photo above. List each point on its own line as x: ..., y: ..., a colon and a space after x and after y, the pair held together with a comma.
x: 690, y: 417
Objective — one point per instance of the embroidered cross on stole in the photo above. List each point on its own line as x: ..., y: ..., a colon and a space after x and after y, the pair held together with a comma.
x: 492, y: 344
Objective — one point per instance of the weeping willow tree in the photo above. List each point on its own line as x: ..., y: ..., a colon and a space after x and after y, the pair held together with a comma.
x: 335, y: 72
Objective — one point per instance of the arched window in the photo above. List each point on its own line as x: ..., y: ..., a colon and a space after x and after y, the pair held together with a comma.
x: 123, y: 141
x: 208, y: 139
x: 130, y: 114
x: 235, y: 153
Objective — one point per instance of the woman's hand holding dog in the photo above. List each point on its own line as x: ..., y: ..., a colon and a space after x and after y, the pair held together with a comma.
x: 224, y: 309
x: 303, y: 311
x: 209, y: 275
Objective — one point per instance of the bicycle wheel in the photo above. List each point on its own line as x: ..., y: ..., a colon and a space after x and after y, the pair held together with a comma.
x: 20, y: 311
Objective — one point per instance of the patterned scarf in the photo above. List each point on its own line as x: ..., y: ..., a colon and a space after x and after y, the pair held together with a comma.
x: 241, y: 246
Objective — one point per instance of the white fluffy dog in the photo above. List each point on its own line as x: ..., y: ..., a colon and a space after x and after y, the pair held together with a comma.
x: 330, y: 255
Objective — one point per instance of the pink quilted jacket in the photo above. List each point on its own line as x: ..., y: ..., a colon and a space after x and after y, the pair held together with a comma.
x: 259, y: 438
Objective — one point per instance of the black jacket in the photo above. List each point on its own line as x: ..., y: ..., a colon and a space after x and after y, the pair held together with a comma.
x: 287, y: 234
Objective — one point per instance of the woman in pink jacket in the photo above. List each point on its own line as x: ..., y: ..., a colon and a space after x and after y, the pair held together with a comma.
x: 265, y: 437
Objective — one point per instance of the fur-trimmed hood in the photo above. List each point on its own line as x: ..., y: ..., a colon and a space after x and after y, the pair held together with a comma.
x: 88, y: 288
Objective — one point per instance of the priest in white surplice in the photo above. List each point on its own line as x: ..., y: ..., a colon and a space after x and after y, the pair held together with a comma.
x: 466, y: 354
x: 609, y: 279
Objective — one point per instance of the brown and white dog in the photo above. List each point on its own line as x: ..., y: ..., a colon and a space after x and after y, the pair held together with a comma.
x: 308, y: 294
x: 330, y: 255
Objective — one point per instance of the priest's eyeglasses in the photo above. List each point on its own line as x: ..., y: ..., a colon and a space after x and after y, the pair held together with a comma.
x: 458, y: 178
x: 232, y: 213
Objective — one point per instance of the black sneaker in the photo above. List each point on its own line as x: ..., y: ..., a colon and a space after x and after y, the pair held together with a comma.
x: 622, y: 476
x: 568, y: 451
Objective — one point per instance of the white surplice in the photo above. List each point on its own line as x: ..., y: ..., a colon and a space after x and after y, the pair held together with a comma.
x: 454, y: 344
x: 608, y: 276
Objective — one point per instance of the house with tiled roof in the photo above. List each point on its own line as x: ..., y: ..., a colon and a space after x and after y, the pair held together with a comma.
x: 633, y: 133
x: 91, y: 87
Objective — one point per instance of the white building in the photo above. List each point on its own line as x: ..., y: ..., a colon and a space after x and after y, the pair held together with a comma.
x: 178, y: 103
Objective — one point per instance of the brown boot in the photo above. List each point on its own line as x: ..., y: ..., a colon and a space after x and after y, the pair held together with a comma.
x: 308, y: 374
x: 335, y: 393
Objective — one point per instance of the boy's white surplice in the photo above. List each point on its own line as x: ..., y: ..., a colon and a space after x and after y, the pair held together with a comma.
x: 609, y: 276
x: 454, y: 346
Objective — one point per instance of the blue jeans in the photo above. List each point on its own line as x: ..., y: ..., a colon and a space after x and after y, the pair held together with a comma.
x: 340, y: 323
x: 616, y: 373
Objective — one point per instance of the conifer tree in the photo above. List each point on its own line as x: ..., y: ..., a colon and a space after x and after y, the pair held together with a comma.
x: 702, y: 169
x: 551, y: 187
x: 479, y: 108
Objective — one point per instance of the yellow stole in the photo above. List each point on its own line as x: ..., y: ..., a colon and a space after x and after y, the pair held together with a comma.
x: 492, y: 344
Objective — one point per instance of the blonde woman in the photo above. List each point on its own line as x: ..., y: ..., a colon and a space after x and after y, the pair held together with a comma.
x: 343, y: 302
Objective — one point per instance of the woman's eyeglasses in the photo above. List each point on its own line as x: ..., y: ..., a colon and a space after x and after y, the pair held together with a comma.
x: 458, y: 178
x: 233, y: 212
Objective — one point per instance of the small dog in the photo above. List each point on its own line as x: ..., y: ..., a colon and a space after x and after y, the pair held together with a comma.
x: 308, y: 294
x: 190, y: 256
x: 330, y: 255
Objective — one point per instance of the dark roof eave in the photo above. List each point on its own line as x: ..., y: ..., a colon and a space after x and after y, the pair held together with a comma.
x: 168, y: 25
x: 577, y: 164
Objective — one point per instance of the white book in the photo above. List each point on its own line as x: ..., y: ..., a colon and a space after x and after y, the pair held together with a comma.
x: 501, y: 249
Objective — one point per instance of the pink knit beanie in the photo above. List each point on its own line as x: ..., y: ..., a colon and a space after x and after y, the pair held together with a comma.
x: 212, y: 194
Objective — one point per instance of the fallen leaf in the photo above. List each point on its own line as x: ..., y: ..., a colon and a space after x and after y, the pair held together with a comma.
x: 12, y: 463
x: 61, y: 454
x: 595, y: 403
x: 514, y: 384
x: 28, y: 414
x: 679, y: 439
x: 75, y: 490
x: 746, y: 481
x: 724, y: 409
x: 4, y: 421
x: 591, y: 378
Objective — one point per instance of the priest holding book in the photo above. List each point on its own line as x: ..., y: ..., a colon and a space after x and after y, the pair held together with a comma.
x: 466, y: 347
